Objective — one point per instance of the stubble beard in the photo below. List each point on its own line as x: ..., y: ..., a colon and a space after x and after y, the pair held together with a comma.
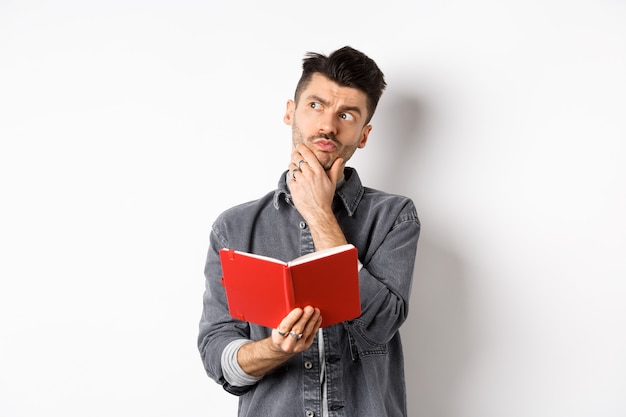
x: 324, y: 158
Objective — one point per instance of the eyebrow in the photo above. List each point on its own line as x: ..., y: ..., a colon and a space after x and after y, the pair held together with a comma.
x: 355, y: 109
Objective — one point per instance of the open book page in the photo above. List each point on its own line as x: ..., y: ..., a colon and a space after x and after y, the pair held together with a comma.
x: 320, y: 254
x: 262, y: 257
x: 301, y: 259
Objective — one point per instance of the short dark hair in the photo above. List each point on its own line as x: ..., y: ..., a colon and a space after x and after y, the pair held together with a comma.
x: 349, y: 68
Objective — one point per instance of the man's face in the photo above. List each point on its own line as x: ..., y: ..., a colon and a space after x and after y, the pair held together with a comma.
x: 329, y: 119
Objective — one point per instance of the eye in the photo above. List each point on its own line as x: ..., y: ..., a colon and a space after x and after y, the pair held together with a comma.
x: 346, y: 116
x: 315, y: 105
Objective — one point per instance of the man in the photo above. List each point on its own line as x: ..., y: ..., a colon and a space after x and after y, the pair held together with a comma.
x: 351, y: 369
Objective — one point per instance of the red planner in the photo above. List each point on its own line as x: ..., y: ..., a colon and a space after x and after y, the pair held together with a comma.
x: 263, y: 290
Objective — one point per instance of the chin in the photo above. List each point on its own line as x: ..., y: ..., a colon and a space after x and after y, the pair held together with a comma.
x: 327, y: 164
x: 325, y: 160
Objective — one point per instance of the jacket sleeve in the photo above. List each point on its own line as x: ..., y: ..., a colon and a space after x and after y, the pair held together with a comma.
x: 386, y: 280
x: 217, y: 329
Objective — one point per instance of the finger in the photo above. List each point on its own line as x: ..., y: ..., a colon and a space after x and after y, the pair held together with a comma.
x: 303, y: 325
x: 280, y: 333
x: 302, y: 164
x: 290, y: 320
x: 336, y: 170
x: 302, y: 152
x: 298, y: 166
x: 296, y: 340
x: 296, y: 157
x: 294, y: 167
x: 313, y: 326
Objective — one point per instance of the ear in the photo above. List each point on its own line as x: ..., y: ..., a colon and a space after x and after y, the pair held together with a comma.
x: 291, y: 108
x: 364, y: 135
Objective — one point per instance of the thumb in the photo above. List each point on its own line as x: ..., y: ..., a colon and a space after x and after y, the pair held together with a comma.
x: 336, y: 170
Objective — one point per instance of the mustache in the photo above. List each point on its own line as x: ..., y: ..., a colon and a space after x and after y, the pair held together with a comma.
x: 328, y: 136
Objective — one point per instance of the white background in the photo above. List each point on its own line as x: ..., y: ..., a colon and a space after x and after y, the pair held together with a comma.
x: 127, y: 126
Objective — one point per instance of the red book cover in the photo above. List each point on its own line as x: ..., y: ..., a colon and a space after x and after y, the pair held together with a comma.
x: 263, y: 290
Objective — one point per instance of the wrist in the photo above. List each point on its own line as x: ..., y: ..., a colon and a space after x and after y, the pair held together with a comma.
x: 258, y: 358
x: 327, y: 234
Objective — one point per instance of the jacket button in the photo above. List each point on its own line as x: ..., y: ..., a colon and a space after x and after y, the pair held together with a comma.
x: 309, y: 413
x: 302, y: 225
x: 308, y: 364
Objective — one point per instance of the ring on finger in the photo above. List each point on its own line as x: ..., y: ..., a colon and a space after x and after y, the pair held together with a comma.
x: 293, y: 173
x: 295, y: 335
x: 281, y: 333
x: 300, y: 162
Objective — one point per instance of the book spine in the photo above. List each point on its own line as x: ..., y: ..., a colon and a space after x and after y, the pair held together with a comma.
x: 290, y: 299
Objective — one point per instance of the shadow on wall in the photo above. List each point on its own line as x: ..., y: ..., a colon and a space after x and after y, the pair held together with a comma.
x: 402, y: 122
x: 436, y: 335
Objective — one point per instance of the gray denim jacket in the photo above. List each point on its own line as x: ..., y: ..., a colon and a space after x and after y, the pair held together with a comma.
x: 364, y: 360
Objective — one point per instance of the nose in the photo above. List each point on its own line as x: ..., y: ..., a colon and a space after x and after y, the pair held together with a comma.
x: 328, y: 123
